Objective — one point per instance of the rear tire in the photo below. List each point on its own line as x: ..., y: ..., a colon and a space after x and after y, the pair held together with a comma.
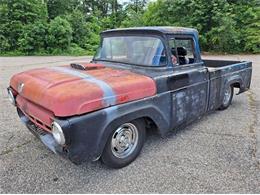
x: 124, y: 144
x: 228, y: 96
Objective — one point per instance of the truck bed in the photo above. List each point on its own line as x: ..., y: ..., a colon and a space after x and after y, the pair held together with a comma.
x: 220, y: 67
x: 219, y: 63
x: 223, y: 73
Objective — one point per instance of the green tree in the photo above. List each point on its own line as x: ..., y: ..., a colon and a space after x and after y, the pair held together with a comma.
x: 252, y: 39
x: 132, y: 19
x: 60, y: 35
x: 34, y: 26
x: 133, y: 13
x: 247, y: 17
x: 62, y: 7
x: 214, y: 19
x: 136, y: 5
x: 15, y: 15
x: 79, y: 27
x: 93, y: 38
x: 33, y: 38
x: 4, y: 44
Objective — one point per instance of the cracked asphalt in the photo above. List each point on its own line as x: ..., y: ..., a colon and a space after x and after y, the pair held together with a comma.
x: 220, y: 153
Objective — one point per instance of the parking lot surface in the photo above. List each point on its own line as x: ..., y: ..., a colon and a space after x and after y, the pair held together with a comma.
x: 219, y: 153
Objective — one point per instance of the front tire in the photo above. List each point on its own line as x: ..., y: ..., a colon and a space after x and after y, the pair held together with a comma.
x: 228, y: 96
x: 124, y: 144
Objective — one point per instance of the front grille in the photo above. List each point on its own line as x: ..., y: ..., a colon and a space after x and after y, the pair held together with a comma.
x: 36, y: 114
x: 34, y: 124
x: 35, y: 129
x: 39, y: 123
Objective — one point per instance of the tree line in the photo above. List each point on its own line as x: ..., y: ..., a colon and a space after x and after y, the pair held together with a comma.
x: 30, y: 27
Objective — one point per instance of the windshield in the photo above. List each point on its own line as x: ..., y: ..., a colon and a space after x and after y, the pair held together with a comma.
x: 137, y: 50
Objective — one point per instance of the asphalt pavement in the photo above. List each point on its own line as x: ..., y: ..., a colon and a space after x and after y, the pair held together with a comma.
x: 220, y: 153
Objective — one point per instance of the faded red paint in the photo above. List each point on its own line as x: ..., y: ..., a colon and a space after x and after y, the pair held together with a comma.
x: 66, y: 95
x: 36, y: 114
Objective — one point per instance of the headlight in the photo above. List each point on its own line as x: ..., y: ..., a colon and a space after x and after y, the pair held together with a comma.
x: 58, y: 133
x: 11, y: 96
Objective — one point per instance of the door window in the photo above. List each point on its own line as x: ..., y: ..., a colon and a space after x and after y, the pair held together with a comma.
x: 182, y: 51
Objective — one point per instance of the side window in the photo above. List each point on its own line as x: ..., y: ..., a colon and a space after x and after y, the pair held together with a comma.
x: 183, y: 50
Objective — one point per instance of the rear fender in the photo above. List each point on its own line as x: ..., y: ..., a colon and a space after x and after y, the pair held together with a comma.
x: 234, y: 80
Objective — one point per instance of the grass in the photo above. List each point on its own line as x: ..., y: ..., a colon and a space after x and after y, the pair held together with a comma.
x: 74, y: 50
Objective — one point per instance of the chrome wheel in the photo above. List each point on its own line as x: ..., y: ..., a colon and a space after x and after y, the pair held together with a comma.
x: 227, y: 95
x: 124, y: 140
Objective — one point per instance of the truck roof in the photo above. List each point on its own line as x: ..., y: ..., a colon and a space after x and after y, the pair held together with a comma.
x: 153, y: 29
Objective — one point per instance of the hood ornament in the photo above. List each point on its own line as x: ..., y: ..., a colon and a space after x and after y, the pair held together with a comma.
x: 20, y: 87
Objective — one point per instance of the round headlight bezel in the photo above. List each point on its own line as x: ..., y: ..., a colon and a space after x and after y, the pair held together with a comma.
x: 57, y: 133
x: 11, y: 96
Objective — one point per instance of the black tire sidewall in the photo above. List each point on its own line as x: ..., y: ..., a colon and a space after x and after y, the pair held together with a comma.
x: 223, y: 107
x: 112, y: 161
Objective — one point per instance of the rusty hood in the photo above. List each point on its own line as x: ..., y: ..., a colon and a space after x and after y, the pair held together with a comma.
x: 67, y: 91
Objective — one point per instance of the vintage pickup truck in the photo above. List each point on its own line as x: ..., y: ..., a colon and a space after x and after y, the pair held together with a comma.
x: 140, y: 78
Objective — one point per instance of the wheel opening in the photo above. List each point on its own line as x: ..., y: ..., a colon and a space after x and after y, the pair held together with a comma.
x: 150, y: 126
x: 236, y: 85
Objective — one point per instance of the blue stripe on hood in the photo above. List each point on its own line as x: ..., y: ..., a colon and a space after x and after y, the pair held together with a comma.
x: 109, y: 97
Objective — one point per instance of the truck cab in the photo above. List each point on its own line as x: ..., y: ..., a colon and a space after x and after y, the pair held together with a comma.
x: 139, y: 78
x: 176, y: 67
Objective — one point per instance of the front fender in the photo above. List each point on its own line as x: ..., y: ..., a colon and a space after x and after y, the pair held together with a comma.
x: 89, y: 133
x: 153, y: 113
x: 156, y: 108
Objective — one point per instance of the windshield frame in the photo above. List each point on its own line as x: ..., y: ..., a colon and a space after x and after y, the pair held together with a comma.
x: 133, y: 35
